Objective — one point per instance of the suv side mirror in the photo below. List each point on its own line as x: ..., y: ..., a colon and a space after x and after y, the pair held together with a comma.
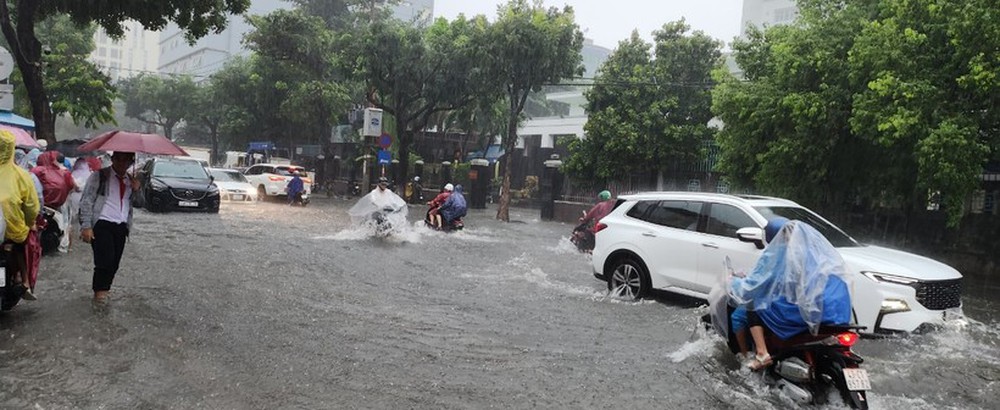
x: 753, y: 235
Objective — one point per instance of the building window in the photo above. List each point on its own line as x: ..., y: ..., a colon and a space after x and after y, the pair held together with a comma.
x: 785, y: 15
x: 102, y: 52
x: 113, y: 53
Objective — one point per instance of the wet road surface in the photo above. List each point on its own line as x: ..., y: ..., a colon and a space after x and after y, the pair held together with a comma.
x: 265, y: 306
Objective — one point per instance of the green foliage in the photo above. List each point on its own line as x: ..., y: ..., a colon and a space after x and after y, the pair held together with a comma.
x: 527, y: 47
x: 648, y: 112
x: 162, y: 101
x: 196, y: 17
x: 76, y: 86
x: 871, y: 101
x: 18, y: 21
x: 414, y: 72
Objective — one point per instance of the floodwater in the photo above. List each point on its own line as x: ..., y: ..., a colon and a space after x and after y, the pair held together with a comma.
x: 265, y: 306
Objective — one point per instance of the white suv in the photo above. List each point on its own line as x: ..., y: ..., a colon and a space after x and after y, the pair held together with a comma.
x: 272, y: 179
x: 679, y: 242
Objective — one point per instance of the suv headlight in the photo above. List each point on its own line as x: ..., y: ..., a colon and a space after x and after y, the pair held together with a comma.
x: 887, y: 278
x: 158, y: 186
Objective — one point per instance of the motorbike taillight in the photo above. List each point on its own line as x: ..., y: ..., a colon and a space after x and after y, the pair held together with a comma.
x: 847, y: 339
x: 599, y: 227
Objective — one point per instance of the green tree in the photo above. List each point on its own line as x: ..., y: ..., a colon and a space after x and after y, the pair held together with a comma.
x: 18, y: 20
x: 529, y: 46
x: 162, y: 101
x: 412, y: 72
x: 303, y: 62
x: 787, y: 127
x: 648, y: 112
x: 77, y: 86
x: 847, y: 104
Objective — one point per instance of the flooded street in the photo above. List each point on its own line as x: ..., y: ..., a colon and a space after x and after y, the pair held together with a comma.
x: 265, y: 306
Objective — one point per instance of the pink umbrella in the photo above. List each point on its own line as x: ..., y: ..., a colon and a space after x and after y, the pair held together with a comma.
x: 126, y: 141
x: 21, y: 137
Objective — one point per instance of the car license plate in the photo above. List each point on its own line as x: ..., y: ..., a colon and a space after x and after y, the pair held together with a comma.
x: 186, y: 203
x: 857, y: 379
x: 237, y: 197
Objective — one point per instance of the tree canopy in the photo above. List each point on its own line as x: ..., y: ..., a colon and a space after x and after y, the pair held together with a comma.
x: 528, y: 46
x: 874, y: 102
x: 18, y: 20
x: 650, y: 106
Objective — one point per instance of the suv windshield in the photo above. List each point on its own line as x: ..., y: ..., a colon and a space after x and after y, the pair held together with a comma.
x: 837, y: 237
x: 227, y: 176
x: 179, y: 169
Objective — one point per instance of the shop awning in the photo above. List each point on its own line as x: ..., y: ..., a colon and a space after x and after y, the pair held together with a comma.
x: 9, y: 118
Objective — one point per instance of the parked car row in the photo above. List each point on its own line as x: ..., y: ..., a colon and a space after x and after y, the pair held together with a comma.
x: 187, y: 184
x: 680, y: 242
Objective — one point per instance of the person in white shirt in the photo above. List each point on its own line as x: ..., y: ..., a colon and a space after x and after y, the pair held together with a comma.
x: 106, y: 217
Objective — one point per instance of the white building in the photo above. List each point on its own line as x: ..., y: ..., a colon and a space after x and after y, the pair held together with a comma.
x: 137, y: 52
x: 761, y: 13
x: 210, y: 53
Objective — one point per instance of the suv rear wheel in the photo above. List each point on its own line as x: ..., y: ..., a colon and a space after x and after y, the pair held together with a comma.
x: 628, y: 278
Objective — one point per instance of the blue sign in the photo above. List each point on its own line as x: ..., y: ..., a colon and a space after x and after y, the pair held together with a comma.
x: 384, y: 157
x: 385, y: 141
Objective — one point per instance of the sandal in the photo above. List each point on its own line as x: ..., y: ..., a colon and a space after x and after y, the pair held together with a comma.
x: 760, y: 362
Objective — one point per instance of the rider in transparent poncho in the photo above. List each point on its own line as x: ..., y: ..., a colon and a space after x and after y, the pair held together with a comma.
x: 380, y: 206
x: 798, y: 284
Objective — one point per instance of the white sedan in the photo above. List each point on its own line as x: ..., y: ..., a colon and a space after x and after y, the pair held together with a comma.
x: 233, y: 186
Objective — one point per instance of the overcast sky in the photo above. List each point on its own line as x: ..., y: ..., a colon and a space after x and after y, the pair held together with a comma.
x: 609, y: 21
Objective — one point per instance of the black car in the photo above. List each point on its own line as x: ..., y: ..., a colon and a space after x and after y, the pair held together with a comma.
x: 171, y: 184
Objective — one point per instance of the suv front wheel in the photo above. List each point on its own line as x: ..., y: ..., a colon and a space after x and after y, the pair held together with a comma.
x: 628, y: 278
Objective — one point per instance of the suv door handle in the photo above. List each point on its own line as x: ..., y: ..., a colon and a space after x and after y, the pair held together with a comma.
x: 649, y: 234
x: 710, y: 245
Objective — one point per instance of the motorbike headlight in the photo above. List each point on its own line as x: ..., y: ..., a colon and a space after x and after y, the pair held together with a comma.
x: 886, y: 278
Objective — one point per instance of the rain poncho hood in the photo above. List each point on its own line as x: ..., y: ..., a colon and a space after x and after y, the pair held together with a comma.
x: 17, y: 192
x: 379, y: 201
x: 30, y: 159
x: 56, y: 181
x: 798, y: 284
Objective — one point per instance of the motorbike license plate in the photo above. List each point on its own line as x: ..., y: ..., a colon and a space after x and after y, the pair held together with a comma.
x: 187, y: 203
x: 237, y: 197
x: 857, y: 379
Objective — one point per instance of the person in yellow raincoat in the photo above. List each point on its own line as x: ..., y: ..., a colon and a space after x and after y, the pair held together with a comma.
x: 20, y: 206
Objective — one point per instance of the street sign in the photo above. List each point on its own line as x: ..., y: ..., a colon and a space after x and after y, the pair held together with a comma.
x: 373, y: 122
x: 385, y: 141
x: 384, y: 157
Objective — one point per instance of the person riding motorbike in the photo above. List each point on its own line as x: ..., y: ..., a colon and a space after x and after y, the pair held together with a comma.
x: 798, y: 284
x: 21, y: 206
x: 435, y: 205
x: 602, y: 209
x: 380, y: 207
x: 453, y: 208
x: 295, y: 188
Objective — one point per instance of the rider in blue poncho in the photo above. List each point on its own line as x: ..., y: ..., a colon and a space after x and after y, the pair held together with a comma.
x: 798, y: 284
x: 454, y: 207
x: 295, y: 187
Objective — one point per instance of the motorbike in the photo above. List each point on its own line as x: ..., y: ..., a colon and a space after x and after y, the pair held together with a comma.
x: 806, y: 367
x: 384, y: 221
x: 10, y: 294
x: 583, y: 237
x: 455, y: 225
x: 50, y: 234
x: 300, y: 199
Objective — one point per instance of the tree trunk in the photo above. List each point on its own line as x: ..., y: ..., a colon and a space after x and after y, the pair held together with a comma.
x: 405, y: 139
x: 503, y: 210
x: 214, y: 131
x: 27, y: 51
